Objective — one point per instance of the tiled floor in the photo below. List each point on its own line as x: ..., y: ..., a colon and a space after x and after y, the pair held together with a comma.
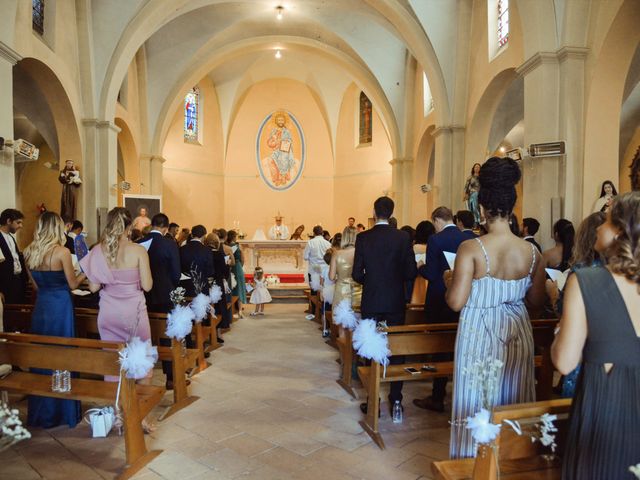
x: 269, y: 408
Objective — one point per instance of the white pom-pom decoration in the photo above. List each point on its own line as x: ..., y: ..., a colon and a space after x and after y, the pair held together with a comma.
x: 344, y: 315
x: 215, y: 294
x: 371, y: 344
x: 179, y: 322
x: 200, y: 306
x: 327, y: 292
x: 315, y: 282
x: 137, y: 358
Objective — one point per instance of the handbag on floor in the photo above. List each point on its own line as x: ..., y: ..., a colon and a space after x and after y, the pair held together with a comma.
x: 101, y: 421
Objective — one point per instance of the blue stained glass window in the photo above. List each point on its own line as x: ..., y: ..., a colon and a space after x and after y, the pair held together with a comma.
x: 37, y: 16
x: 191, y: 111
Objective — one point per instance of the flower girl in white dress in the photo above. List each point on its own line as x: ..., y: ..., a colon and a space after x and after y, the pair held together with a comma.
x: 260, y: 295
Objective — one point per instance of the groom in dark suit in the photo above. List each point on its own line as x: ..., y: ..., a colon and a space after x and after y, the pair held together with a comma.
x: 13, y: 272
x: 195, y: 257
x: 447, y: 239
x: 383, y: 262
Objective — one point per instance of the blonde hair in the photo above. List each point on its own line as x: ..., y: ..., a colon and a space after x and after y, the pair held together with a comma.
x: 212, y: 240
x: 118, y: 220
x: 49, y: 234
x: 348, y: 237
x: 623, y: 256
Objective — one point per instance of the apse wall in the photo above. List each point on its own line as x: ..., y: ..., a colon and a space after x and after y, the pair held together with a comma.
x: 247, y: 197
x: 362, y: 174
x: 193, y: 186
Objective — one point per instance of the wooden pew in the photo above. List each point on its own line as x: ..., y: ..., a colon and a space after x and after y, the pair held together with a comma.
x: 86, y: 323
x: 89, y: 357
x: 517, y: 455
x: 424, y: 339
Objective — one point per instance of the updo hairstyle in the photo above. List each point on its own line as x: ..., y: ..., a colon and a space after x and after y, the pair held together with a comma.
x: 118, y: 220
x: 623, y: 256
x: 498, y: 179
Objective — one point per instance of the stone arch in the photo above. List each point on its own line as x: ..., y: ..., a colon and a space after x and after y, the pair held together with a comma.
x: 130, y: 158
x: 44, y: 114
x: 423, y: 172
x: 602, y: 120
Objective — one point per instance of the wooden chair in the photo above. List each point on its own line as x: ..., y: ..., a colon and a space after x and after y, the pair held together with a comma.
x: 426, y: 339
x: 518, y: 456
x: 87, y: 356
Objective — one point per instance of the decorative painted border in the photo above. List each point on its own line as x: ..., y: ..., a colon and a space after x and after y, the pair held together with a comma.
x: 303, y: 150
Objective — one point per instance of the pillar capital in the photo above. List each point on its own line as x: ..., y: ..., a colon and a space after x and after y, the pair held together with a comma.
x: 439, y: 130
x: 101, y: 124
x: 9, y: 54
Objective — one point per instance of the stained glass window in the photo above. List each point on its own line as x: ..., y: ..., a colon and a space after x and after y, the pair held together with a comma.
x: 366, y: 114
x: 191, y: 111
x: 37, y: 19
x: 503, y: 22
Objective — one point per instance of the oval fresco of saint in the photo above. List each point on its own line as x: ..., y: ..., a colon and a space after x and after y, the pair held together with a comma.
x: 280, y: 150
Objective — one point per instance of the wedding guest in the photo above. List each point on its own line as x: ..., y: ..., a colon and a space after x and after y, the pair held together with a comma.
x: 50, y: 267
x: 530, y: 227
x: 607, y: 194
x: 409, y: 230
x: 495, y: 278
x: 465, y: 222
x: 584, y: 255
x: 183, y: 237
x: 600, y: 329
x: 260, y: 293
x: 471, y: 188
x: 68, y: 243
x: 326, y: 235
x: 558, y: 256
x: 172, y: 233
x: 240, y: 288
x: 230, y: 261
x: 314, y: 255
x: 120, y: 270
x: 360, y: 227
x: 383, y: 261
x: 393, y: 222
x: 142, y: 220
x: 79, y: 242
x: 196, y: 262
x: 13, y: 273
x: 220, y: 273
x: 424, y: 230
x: 447, y: 239
x: 297, y: 234
x: 340, y: 269
x: 136, y: 235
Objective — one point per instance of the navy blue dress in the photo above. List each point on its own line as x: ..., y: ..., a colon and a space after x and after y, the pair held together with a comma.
x: 52, y: 315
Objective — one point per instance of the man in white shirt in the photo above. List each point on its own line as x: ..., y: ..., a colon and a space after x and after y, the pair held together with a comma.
x: 314, y: 255
x: 13, y: 274
x: 279, y: 231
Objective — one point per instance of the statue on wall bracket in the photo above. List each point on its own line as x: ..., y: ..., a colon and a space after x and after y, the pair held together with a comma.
x: 70, y: 179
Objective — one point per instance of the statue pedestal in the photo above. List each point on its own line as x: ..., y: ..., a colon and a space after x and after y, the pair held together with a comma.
x: 276, y: 257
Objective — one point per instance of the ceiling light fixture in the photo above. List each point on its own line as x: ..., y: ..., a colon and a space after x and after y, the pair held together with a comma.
x: 278, y: 54
x: 279, y: 12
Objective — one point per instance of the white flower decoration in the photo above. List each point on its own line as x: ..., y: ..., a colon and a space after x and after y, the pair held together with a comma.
x: 482, y: 430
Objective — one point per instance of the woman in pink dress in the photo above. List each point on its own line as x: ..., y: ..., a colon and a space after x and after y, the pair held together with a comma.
x: 120, y: 270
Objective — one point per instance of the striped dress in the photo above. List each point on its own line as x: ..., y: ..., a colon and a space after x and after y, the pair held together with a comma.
x: 493, y: 324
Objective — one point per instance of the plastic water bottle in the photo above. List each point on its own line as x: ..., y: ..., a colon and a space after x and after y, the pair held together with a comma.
x: 397, y: 412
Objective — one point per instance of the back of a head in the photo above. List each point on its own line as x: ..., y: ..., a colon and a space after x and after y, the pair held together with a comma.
x: 77, y: 224
x: 498, y: 180
x: 49, y: 233
x: 118, y: 220
x: 623, y: 256
x: 160, y: 220
x: 348, y: 237
x: 173, y: 225
x: 231, y: 236
x: 584, y: 253
x: 443, y: 213
x: 222, y: 234
x: 318, y: 231
x: 198, y: 231
x: 532, y: 225
x: 393, y: 222
x: 410, y: 231
x: 212, y: 240
x: 466, y: 218
x: 336, y: 241
x: 565, y: 233
x: 423, y: 231
x: 383, y: 207
x: 10, y: 215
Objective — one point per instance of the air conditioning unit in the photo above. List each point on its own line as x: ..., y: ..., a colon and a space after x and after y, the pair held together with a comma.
x: 24, y: 151
x: 549, y: 149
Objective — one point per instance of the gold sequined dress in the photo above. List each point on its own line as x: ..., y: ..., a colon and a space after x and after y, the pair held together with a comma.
x: 346, y: 286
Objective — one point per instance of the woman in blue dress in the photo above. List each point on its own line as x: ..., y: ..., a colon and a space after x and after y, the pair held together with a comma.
x: 240, y: 288
x: 53, y: 276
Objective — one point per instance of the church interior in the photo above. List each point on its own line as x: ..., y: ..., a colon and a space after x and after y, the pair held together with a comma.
x: 230, y: 113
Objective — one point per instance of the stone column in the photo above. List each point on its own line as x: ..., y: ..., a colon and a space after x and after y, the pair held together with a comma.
x: 8, y: 58
x: 156, y: 174
x: 449, y: 174
x: 151, y: 174
x: 100, y: 177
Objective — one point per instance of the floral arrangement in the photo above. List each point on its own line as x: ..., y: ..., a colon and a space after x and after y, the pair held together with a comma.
x: 544, y: 430
x: 137, y: 358
x: 177, y: 296
x: 199, y: 283
x: 315, y: 282
x: 485, y: 376
x: 11, y: 429
x: 272, y: 280
x: 179, y: 322
x: 327, y: 291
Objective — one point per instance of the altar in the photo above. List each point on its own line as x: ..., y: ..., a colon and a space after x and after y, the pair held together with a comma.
x: 276, y: 257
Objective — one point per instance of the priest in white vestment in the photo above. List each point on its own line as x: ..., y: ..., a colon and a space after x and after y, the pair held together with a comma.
x: 279, y: 231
